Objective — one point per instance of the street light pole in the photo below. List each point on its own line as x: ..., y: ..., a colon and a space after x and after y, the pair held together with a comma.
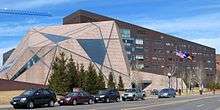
x: 169, y: 76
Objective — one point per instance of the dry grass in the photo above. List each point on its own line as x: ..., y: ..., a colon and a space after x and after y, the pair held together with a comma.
x: 6, y: 96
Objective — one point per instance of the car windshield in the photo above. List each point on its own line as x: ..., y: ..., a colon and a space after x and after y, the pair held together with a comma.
x: 28, y: 92
x: 164, y: 90
x: 103, y: 92
x: 130, y: 90
x: 73, y: 94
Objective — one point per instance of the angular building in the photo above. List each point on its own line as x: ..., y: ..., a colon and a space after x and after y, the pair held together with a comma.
x: 98, y: 43
x: 138, y: 54
x: 155, y: 52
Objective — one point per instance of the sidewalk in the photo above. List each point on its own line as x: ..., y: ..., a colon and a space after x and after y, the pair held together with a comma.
x: 5, y: 106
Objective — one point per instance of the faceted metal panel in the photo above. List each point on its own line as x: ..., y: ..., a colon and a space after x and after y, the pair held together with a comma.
x: 97, y: 43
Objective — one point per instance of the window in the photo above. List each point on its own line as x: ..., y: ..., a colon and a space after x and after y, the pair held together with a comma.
x: 125, y: 33
x: 46, y: 92
x: 28, y: 65
x: 140, y: 66
x: 139, y: 57
x: 139, y: 49
x: 139, y: 41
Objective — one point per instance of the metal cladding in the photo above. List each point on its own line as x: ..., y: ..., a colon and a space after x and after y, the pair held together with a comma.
x: 98, y: 43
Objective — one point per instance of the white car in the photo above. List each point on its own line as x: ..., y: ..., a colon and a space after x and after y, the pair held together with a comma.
x: 133, y: 94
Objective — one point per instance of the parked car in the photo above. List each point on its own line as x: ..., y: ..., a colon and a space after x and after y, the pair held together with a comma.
x: 34, y: 97
x: 108, y: 95
x: 167, y: 93
x: 133, y: 94
x: 76, y: 97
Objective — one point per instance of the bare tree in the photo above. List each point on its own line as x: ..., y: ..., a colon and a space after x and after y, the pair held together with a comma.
x: 200, y: 74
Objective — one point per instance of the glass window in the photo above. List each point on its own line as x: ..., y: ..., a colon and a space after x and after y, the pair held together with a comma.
x: 46, y: 92
x: 125, y: 33
x: 140, y: 66
x: 139, y: 49
x: 139, y: 57
x: 28, y: 65
x: 95, y: 49
x: 139, y: 41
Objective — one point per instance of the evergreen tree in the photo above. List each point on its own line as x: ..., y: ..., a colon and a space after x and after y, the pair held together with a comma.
x: 120, y: 83
x: 72, y: 74
x: 92, y: 79
x: 82, y: 77
x: 111, y: 83
x: 101, y: 81
x: 59, y: 78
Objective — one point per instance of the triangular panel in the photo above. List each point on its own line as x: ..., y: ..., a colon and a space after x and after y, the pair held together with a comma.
x: 55, y: 38
x: 95, y: 49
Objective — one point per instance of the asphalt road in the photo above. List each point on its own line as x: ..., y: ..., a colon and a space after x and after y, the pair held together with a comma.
x: 205, y: 102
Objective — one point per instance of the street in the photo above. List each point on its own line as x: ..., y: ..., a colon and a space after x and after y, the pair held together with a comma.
x: 205, y: 102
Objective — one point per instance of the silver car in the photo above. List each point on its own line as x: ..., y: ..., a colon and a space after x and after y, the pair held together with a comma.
x: 133, y: 94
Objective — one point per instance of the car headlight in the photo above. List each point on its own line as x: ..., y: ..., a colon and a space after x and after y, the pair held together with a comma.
x: 165, y: 94
x: 68, y: 98
x: 130, y: 95
x: 101, y: 96
x: 23, y: 99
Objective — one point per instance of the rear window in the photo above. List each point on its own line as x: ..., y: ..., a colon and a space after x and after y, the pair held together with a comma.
x: 164, y: 90
x: 73, y: 94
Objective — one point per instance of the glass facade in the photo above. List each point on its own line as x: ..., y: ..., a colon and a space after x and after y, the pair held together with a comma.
x: 128, y: 42
x: 55, y: 38
x: 95, y: 49
x: 28, y: 65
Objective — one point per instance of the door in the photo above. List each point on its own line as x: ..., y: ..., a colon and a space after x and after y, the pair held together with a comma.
x: 46, y: 96
x: 112, y: 95
x: 82, y: 98
x: 38, y: 97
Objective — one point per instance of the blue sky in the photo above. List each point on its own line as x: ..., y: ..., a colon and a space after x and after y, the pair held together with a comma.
x: 194, y: 20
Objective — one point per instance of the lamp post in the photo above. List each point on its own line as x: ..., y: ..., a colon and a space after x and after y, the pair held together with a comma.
x: 169, y: 76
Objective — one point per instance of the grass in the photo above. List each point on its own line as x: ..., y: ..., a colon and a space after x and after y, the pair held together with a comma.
x: 6, y: 96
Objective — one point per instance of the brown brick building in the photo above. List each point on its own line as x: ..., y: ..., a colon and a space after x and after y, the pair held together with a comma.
x: 155, y: 52
x: 218, y: 67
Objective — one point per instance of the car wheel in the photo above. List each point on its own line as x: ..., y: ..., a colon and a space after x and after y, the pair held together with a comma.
x: 30, y: 105
x: 134, y: 98
x: 123, y: 99
x: 51, y: 103
x: 91, y: 101
x: 74, y: 102
x: 117, y: 99
x: 107, y: 100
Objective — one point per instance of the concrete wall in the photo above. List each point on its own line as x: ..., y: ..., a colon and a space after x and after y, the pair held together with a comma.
x: 159, y: 81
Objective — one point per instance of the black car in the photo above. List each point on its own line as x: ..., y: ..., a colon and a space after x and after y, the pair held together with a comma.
x: 34, y: 97
x: 76, y: 97
x: 167, y: 93
x: 108, y: 95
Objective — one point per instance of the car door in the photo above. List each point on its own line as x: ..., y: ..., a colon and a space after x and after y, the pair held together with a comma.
x: 81, y: 98
x: 112, y: 95
x: 38, y: 97
x: 86, y: 96
x: 46, y: 96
